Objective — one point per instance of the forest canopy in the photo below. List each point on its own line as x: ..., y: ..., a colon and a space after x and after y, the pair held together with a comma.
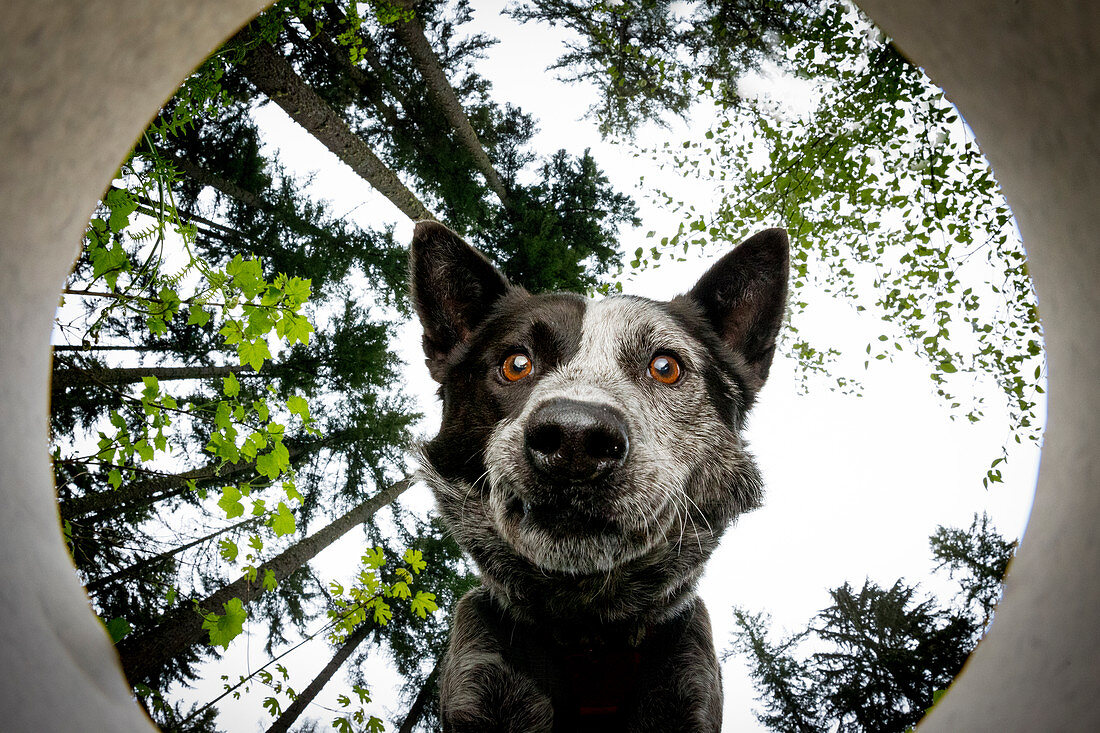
x: 227, y: 399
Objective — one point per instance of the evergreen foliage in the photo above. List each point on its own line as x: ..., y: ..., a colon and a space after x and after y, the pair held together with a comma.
x: 890, y: 204
x: 227, y: 404
x: 877, y: 658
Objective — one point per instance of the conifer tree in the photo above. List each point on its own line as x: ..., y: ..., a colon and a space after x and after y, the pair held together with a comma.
x: 194, y: 424
x: 880, y: 656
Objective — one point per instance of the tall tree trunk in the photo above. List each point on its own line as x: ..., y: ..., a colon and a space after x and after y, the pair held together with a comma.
x: 305, y: 697
x: 109, y: 347
x: 156, y: 488
x: 411, y: 35
x: 275, y: 77
x: 416, y: 711
x: 75, y: 376
x: 370, y: 87
x: 179, y: 629
x: 141, y: 565
x: 151, y: 489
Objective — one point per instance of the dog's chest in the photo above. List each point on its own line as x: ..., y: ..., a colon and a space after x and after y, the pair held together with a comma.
x: 595, y: 681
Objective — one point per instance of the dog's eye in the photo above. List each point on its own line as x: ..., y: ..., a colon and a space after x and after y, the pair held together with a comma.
x: 665, y: 369
x: 516, y: 366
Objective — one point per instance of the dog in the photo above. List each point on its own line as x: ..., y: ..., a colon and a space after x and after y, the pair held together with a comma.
x: 588, y: 461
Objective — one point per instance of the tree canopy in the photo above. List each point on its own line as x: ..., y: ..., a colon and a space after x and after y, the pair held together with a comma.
x: 877, y: 658
x: 227, y: 401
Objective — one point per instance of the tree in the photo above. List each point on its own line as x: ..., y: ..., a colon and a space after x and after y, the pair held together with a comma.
x: 890, y: 204
x: 273, y: 75
x: 411, y: 33
x: 650, y: 59
x: 142, y: 654
x: 288, y: 716
x: 977, y: 559
x: 880, y: 655
x: 218, y: 423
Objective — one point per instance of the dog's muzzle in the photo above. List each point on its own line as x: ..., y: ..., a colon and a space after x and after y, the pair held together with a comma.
x: 572, y: 441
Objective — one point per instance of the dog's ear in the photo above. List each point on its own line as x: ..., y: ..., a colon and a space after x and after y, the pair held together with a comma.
x: 744, y: 296
x: 453, y: 289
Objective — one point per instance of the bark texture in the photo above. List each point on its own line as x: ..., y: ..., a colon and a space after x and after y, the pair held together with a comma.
x: 143, y: 653
x: 411, y: 34
x: 273, y: 75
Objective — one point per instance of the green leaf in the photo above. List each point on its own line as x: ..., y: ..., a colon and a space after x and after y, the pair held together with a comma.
x: 292, y: 491
x: 270, y: 583
x: 197, y: 315
x: 246, y: 275
x: 298, y: 406
x: 114, y: 478
x: 152, y: 387
x: 253, y: 353
x: 374, y: 558
x: 224, y: 628
x: 144, y: 449
x: 267, y: 465
x: 118, y: 628
x: 231, y: 502
x: 232, y: 331
x: 342, y: 725
x: 121, y: 204
x: 297, y: 291
x: 382, y: 612
x: 414, y: 559
x: 272, y: 706
x: 228, y: 550
x: 423, y: 604
x: 296, y: 328
x: 374, y: 725
x: 282, y: 523
x: 274, y: 462
x: 230, y: 386
x: 223, y: 415
x: 108, y: 263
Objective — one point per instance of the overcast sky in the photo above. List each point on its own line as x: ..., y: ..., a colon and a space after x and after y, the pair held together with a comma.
x: 854, y: 485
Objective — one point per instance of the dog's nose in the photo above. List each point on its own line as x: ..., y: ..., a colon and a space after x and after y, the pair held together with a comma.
x: 576, y: 441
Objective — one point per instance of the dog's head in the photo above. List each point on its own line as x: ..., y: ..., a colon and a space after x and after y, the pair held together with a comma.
x: 581, y: 436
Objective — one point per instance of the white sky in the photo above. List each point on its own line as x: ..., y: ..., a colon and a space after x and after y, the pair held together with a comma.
x: 854, y: 485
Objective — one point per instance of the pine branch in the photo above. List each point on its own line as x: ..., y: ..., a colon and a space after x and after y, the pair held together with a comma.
x: 127, y: 572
